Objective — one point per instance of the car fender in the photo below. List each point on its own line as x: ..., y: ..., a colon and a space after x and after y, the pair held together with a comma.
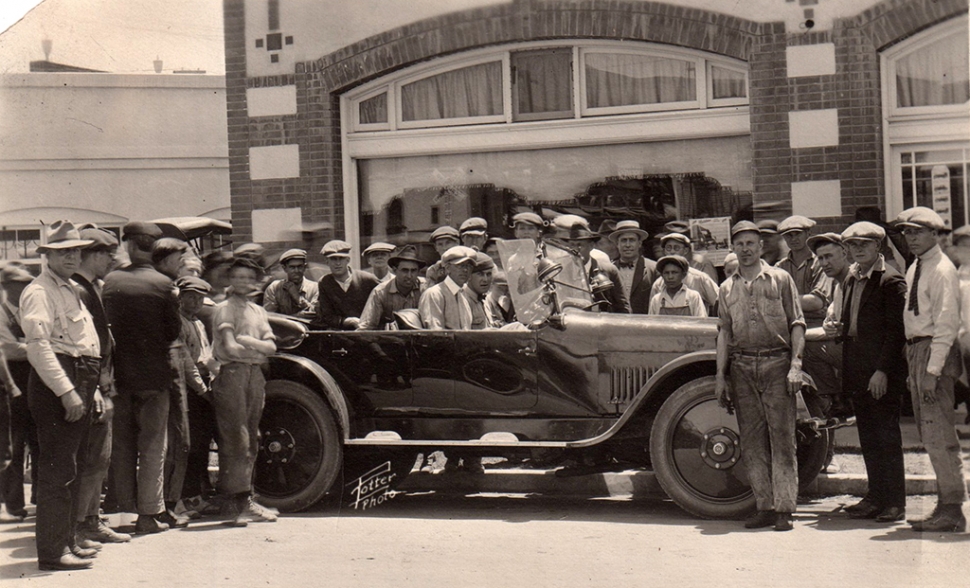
x: 654, y: 392
x: 284, y: 363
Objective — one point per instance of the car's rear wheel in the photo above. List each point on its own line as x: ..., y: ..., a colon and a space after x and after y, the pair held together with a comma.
x: 300, y: 450
x: 695, y: 448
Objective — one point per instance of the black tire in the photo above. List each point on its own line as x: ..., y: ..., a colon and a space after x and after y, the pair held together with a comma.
x: 695, y: 450
x: 300, y: 448
x: 812, y: 450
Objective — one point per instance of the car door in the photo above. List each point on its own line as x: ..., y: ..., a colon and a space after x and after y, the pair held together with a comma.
x: 375, y: 364
x: 496, y: 371
x: 433, y: 370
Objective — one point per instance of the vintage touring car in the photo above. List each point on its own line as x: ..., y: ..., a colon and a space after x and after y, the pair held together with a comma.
x: 608, y: 390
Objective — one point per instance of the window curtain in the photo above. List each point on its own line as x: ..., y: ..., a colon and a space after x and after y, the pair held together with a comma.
x: 543, y: 81
x: 374, y: 110
x: 621, y: 80
x: 934, y: 75
x: 727, y: 83
x: 467, y: 92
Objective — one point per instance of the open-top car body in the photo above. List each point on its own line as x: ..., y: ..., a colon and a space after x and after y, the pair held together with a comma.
x: 610, y: 391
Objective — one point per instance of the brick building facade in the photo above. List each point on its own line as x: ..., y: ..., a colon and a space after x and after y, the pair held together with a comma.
x: 812, y: 132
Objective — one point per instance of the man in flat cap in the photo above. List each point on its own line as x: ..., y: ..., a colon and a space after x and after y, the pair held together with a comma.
x: 344, y: 291
x: 637, y: 273
x: 402, y: 291
x: 678, y: 244
x: 874, y: 371
x: 22, y: 433
x: 932, y: 320
x: 676, y: 299
x: 65, y: 357
x: 142, y: 308
x: 474, y: 232
x: 697, y: 259
x: 759, y: 347
x: 773, y: 249
x: 477, y: 288
x: 376, y: 256
x: 573, y: 231
x: 528, y: 225
x: 293, y: 295
x: 443, y: 306
x: 96, y: 259
x: 443, y: 238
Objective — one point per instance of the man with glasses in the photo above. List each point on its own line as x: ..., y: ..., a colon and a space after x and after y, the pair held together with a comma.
x: 293, y: 295
x: 932, y: 320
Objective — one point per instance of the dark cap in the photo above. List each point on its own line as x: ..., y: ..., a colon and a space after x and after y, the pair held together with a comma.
x: 192, y: 284
x: 677, y: 226
x: 144, y: 228
x: 483, y: 262
x: 100, y: 238
x: 766, y: 226
x: 406, y: 253
x: 677, y: 260
x: 816, y: 241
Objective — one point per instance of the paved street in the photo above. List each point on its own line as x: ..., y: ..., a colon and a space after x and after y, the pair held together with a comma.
x: 425, y: 540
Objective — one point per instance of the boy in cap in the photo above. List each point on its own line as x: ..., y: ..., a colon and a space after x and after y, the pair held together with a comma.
x: 443, y: 306
x: 443, y: 239
x: 760, y: 346
x: 874, y: 373
x: 242, y: 341
x: 803, y: 267
x: 344, y: 291
x: 637, y: 273
x: 676, y: 299
x: 65, y: 356
x: 528, y: 225
x: 932, y: 320
x: 293, y: 295
x: 678, y: 244
x: 377, y: 255
x: 697, y: 259
x: 402, y: 291
x: 474, y: 232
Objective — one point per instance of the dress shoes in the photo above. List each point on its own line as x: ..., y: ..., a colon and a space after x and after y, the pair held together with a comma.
x: 870, y: 511
x: 863, y: 504
x: 760, y: 519
x: 84, y: 553
x: 96, y: 529
x: 950, y: 519
x: 891, y: 515
x: 783, y: 522
x: 147, y: 524
x: 67, y: 562
x: 173, y: 520
x: 86, y: 543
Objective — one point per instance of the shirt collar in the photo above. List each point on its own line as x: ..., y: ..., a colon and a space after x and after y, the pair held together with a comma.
x: 808, y: 260
x: 451, y: 285
x: 878, y: 266
x: 666, y: 292
x: 762, y: 272
x: 350, y: 276
x: 931, y: 253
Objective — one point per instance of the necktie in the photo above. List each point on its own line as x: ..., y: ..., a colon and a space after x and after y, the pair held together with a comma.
x: 624, y: 265
x: 913, y: 298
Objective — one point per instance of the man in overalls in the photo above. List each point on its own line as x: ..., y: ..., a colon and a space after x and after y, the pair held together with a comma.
x: 676, y: 299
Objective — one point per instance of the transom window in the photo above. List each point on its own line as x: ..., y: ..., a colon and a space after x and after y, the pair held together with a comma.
x: 548, y: 82
x: 931, y: 73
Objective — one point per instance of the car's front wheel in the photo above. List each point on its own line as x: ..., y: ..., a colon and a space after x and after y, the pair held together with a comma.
x: 300, y: 450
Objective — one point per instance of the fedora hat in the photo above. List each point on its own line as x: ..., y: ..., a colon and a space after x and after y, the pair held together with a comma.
x: 62, y: 234
x: 406, y: 253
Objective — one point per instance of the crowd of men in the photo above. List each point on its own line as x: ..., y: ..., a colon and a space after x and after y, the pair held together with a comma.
x: 112, y: 383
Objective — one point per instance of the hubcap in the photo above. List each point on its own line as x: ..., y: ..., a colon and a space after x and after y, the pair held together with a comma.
x: 721, y: 448
x: 279, y: 446
x: 705, y: 448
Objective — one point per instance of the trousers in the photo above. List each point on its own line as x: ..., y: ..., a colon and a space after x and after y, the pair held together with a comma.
x: 766, y: 417
x: 136, y: 477
x: 96, y: 459
x: 202, y: 430
x: 238, y: 395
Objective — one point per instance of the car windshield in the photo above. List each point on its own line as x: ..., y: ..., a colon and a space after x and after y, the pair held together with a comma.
x: 519, y: 260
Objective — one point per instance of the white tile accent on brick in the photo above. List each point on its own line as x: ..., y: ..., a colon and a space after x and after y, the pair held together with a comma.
x: 813, y: 128
x: 817, y: 199
x: 271, y: 101
x: 811, y: 60
x: 275, y: 224
x: 278, y: 161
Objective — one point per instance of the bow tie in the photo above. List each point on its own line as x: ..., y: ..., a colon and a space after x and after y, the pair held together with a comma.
x: 625, y: 265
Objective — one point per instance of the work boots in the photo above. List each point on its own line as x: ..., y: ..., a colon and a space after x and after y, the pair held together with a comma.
x: 948, y: 518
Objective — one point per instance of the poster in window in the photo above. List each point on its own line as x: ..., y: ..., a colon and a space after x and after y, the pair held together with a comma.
x: 941, y: 194
x: 711, y: 236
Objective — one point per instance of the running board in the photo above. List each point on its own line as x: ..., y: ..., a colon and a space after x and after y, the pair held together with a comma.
x: 385, y: 442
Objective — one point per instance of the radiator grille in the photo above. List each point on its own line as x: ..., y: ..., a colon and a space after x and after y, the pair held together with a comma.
x: 626, y: 382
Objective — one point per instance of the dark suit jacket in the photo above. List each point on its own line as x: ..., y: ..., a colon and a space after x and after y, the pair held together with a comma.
x: 880, y: 334
x: 336, y: 305
x: 644, y: 274
x: 615, y: 295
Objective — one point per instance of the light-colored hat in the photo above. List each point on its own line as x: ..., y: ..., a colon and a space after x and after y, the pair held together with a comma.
x: 572, y: 227
x: 628, y: 226
x: 528, y: 218
x: 336, y: 248
x: 920, y: 216
x: 15, y: 272
x: 679, y: 237
x: 474, y: 226
x: 100, y: 238
x: 742, y: 226
x: 62, y: 235
x: 864, y: 231
x: 677, y: 260
x: 961, y: 233
x: 795, y: 222
x: 380, y: 246
x: 459, y: 254
x: 444, y: 232
x: 292, y: 254
x: 816, y: 241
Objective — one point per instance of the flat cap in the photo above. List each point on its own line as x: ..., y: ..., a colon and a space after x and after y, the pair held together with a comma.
x: 62, y: 235
x: 677, y: 260
x: 460, y: 254
x: 292, y: 254
x: 677, y: 226
x: 627, y: 226
x: 475, y: 225
x: 529, y: 218
x: 483, y: 262
x: 336, y: 248
x: 380, y: 246
x: 192, y: 284
x: 796, y: 222
x: 141, y: 228
x: 445, y: 232
x: 500, y: 278
x: 573, y: 227
x: 961, y: 233
x: 864, y: 230
x: 920, y: 216
x: 767, y: 226
x: 15, y: 272
x: 816, y: 241
x: 100, y: 238
x: 679, y: 237
x: 742, y: 226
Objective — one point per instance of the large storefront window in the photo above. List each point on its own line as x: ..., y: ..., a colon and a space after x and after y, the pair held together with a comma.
x: 403, y: 199
x: 937, y: 179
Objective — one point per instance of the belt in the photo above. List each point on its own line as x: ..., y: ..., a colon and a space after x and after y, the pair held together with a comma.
x: 80, y: 361
x: 916, y: 340
x: 780, y: 352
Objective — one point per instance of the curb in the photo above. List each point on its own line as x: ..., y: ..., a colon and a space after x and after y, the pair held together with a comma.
x: 632, y: 484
